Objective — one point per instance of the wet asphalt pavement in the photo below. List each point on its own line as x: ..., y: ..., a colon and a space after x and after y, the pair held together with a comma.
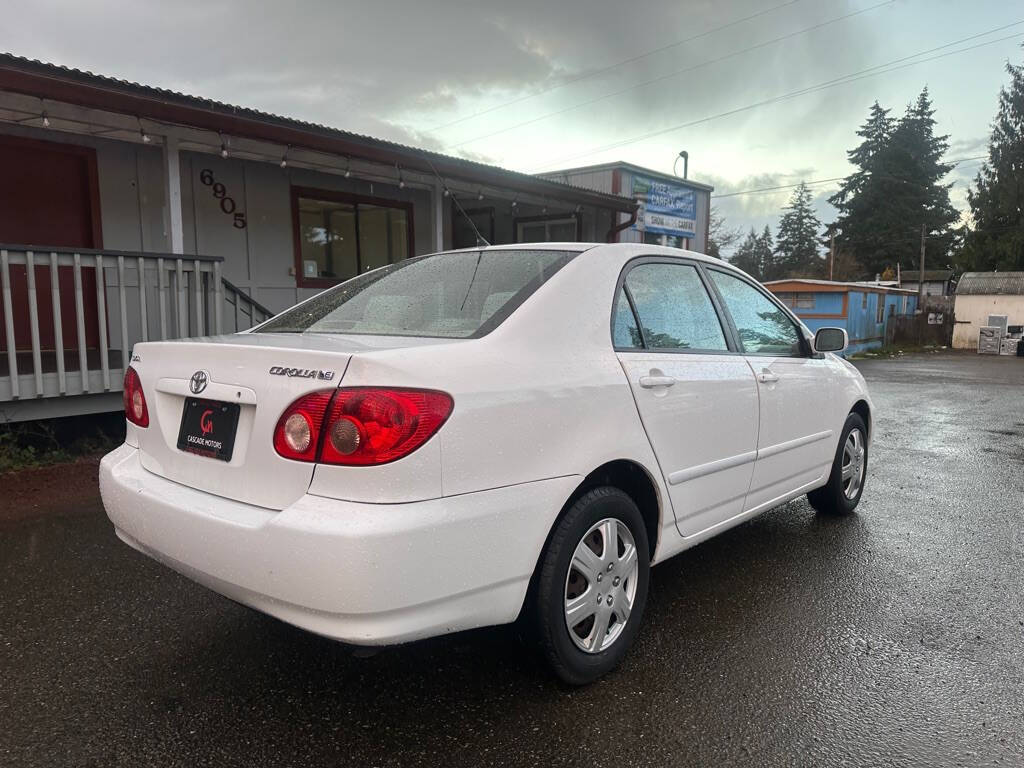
x: 892, y: 637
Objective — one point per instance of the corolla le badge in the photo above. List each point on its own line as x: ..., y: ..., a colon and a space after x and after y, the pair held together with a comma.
x: 301, y: 373
x: 198, y: 381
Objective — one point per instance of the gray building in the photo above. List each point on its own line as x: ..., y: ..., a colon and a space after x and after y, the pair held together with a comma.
x: 132, y: 213
x: 671, y: 211
x: 937, y: 282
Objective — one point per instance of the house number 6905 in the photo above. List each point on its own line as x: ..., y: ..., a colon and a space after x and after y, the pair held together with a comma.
x: 227, y: 204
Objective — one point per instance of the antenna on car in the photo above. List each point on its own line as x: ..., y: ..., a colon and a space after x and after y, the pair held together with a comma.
x: 480, y: 239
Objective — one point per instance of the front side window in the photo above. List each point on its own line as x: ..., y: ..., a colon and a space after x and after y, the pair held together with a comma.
x: 764, y: 329
x: 452, y: 295
x: 339, y: 237
x: 674, y: 309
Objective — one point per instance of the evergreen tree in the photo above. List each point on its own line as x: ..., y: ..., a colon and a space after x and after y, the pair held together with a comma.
x: 896, y: 187
x: 997, y: 203
x: 765, y: 254
x: 746, y: 256
x: 797, y: 245
x: 916, y: 158
x: 863, y: 218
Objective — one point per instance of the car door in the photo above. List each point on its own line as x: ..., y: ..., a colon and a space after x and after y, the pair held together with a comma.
x: 696, y: 396
x: 796, y: 441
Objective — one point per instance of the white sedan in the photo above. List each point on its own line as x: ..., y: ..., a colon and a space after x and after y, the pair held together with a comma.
x: 468, y: 438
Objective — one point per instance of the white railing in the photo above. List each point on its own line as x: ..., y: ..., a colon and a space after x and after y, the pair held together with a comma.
x: 118, y: 299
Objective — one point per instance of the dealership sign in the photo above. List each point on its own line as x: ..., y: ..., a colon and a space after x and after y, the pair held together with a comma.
x: 665, y: 208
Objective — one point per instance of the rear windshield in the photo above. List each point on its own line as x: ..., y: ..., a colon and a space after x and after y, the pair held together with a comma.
x: 461, y: 295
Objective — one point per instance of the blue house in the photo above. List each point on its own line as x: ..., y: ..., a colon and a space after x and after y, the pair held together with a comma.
x: 860, y: 308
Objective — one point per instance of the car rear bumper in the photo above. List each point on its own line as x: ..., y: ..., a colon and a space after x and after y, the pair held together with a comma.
x: 368, y: 574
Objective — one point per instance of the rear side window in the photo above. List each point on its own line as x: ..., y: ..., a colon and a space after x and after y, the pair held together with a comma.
x: 764, y: 329
x: 454, y: 295
x: 673, y: 307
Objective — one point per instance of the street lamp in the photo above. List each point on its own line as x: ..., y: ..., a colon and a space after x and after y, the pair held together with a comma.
x: 686, y: 163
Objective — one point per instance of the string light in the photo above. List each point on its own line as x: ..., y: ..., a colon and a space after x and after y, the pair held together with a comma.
x: 46, y: 120
x: 480, y: 195
x: 515, y: 203
x: 447, y: 192
x: 223, y: 146
x: 284, y: 157
x: 348, y: 167
x: 142, y: 132
x: 401, y: 181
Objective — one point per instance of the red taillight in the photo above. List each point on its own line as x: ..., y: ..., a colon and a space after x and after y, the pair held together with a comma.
x: 298, y: 430
x: 360, y: 425
x: 135, y: 409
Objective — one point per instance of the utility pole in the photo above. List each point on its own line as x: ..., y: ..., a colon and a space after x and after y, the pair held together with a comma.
x: 920, y: 292
x: 920, y: 275
x: 832, y: 256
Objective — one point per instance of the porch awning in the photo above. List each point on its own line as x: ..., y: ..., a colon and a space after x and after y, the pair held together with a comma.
x: 73, y: 86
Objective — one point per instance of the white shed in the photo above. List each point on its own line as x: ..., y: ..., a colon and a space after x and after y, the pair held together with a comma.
x: 980, y: 294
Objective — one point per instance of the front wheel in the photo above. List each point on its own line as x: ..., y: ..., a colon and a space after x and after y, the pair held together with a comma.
x: 841, y: 494
x: 592, y: 586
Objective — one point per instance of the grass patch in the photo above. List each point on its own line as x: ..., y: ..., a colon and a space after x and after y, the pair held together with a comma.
x: 55, y: 441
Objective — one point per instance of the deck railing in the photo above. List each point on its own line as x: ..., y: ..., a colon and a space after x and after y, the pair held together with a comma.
x: 70, y: 317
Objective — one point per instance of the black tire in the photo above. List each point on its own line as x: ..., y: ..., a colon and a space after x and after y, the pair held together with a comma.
x: 569, y: 662
x: 832, y: 498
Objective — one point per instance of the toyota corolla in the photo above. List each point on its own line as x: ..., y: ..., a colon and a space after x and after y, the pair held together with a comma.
x: 480, y: 436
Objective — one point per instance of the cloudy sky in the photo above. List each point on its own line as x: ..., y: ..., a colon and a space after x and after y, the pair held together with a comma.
x: 535, y: 85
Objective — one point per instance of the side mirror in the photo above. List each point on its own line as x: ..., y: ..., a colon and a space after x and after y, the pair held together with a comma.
x: 831, y: 340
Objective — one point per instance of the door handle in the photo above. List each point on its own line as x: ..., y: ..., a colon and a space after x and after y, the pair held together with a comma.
x: 767, y: 377
x: 649, y: 382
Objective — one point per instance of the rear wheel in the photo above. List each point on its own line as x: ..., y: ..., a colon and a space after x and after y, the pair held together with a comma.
x: 841, y: 494
x: 592, y: 586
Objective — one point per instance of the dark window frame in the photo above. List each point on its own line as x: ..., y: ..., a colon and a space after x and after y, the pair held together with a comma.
x: 806, y: 350
x: 731, y: 340
x: 457, y: 218
x: 547, y: 217
x: 334, y: 196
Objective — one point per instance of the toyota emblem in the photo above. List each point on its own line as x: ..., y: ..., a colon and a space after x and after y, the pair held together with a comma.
x: 198, y: 381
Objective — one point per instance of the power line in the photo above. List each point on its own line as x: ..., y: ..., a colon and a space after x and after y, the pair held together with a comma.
x: 842, y: 80
x: 670, y: 75
x: 616, y: 65
x: 828, y: 181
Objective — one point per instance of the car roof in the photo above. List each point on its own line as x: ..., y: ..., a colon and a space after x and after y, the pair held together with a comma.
x: 626, y: 250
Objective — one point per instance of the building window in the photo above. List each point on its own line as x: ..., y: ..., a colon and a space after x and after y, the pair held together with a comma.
x: 864, y: 300
x: 339, y: 236
x: 559, y: 228
x: 904, y: 310
x: 880, y: 309
x: 797, y: 300
x: 463, y: 235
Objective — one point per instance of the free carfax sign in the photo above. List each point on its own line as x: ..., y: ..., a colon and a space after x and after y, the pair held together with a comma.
x: 665, y: 208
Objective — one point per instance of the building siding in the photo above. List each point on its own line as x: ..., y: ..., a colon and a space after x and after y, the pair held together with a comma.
x: 972, y: 311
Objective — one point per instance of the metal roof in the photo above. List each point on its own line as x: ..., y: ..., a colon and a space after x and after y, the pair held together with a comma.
x: 991, y: 283
x: 60, y: 83
x: 930, y: 275
x: 807, y: 284
x: 623, y: 165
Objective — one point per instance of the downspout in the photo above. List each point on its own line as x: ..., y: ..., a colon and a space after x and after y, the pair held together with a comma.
x: 613, y: 233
